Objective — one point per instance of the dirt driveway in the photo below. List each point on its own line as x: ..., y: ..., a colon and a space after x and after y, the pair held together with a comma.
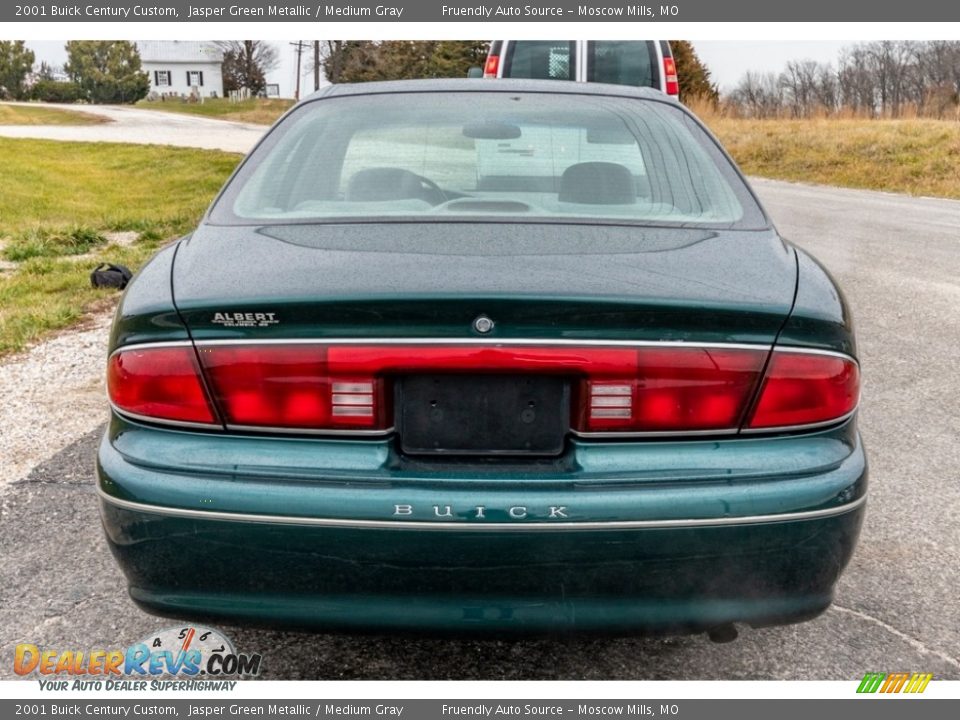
x: 149, y: 127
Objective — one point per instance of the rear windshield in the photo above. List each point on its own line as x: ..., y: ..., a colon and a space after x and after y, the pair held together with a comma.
x: 489, y: 155
x: 622, y: 62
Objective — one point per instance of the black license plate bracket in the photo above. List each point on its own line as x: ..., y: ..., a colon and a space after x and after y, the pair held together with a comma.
x: 483, y: 414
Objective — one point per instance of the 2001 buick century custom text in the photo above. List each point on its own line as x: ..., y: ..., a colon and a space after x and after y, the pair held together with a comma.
x: 452, y: 355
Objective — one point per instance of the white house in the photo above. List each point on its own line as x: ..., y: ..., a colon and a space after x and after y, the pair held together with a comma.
x: 182, y: 67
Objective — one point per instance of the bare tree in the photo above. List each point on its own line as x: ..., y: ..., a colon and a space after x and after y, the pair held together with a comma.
x: 329, y: 59
x: 935, y: 80
x: 873, y: 79
x: 759, y: 95
x: 857, y: 90
x: 889, y: 60
x: 828, y: 89
x: 799, y: 84
x: 246, y: 64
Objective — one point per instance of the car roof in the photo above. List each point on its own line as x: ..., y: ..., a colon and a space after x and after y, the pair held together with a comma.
x: 439, y: 85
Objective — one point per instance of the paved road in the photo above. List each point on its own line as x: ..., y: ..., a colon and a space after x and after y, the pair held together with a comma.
x: 898, y: 260
x: 152, y: 127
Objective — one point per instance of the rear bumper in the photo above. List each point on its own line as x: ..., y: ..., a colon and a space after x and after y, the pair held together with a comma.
x: 668, y: 537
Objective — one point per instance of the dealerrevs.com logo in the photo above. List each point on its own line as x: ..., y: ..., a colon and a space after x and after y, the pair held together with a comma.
x: 191, y: 652
x: 909, y: 683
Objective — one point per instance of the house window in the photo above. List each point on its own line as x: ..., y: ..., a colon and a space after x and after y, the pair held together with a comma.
x: 194, y: 78
x: 161, y: 78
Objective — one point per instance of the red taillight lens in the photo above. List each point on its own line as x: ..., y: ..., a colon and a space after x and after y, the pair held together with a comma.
x: 673, y: 390
x: 398, y: 359
x: 806, y: 389
x: 159, y: 382
x: 670, y: 75
x: 290, y: 386
x: 491, y: 67
x: 617, y: 389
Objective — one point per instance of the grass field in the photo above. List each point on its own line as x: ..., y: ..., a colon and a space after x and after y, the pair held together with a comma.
x: 916, y: 157
x: 256, y: 110
x: 59, y: 201
x: 28, y: 115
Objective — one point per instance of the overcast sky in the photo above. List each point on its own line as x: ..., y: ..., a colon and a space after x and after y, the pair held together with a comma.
x: 727, y: 60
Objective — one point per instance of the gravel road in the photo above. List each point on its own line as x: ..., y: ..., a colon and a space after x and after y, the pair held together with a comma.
x: 60, y: 382
x: 898, y: 260
x: 149, y: 127
x: 52, y: 394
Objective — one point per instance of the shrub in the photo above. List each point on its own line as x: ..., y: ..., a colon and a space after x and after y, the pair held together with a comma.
x: 55, y: 91
x: 109, y: 71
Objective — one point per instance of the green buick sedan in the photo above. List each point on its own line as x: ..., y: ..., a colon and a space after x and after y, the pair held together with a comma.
x: 459, y: 356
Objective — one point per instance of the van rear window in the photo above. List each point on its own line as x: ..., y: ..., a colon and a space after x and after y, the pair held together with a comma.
x: 541, y: 60
x: 622, y: 62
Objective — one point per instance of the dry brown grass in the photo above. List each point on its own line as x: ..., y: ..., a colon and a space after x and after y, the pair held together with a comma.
x: 912, y: 156
x: 23, y: 114
x: 259, y: 111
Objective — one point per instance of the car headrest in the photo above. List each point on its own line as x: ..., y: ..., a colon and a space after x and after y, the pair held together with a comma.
x: 598, y: 183
x: 383, y: 183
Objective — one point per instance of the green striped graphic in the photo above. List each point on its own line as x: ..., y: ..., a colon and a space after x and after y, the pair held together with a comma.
x: 871, y: 682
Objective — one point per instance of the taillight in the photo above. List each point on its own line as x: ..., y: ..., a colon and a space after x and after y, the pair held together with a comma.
x: 291, y: 386
x: 806, y: 389
x: 342, y: 386
x: 491, y: 67
x: 159, y: 382
x: 670, y: 75
x: 673, y: 390
x: 616, y: 388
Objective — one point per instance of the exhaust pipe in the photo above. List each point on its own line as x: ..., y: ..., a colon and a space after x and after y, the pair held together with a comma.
x: 723, y: 633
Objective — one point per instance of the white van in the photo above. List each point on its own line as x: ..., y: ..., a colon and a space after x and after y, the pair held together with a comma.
x: 639, y: 63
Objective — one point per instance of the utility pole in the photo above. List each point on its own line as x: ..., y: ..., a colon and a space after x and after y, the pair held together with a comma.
x: 316, y: 65
x: 299, y: 45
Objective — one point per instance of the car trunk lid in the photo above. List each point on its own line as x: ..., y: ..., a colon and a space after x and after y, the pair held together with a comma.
x: 533, y: 280
x: 475, y: 339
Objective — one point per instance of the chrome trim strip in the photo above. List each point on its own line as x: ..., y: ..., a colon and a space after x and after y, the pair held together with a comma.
x: 480, y: 527
x: 810, y: 426
x: 308, y: 431
x: 613, y: 435
x: 506, y: 342
x: 816, y: 351
x: 610, y: 435
x: 150, y: 346
x: 162, y: 421
x: 249, y: 428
